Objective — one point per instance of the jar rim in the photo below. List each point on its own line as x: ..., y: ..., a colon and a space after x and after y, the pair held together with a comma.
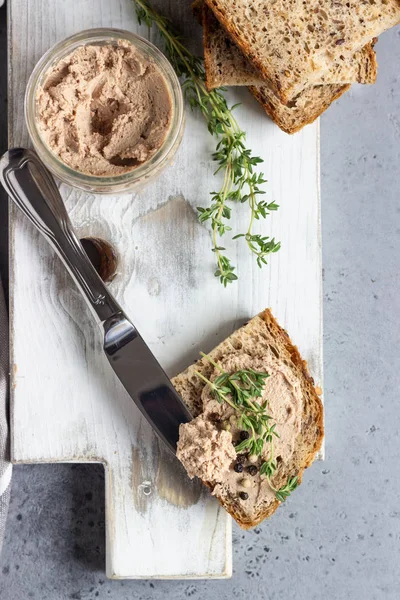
x: 96, y: 183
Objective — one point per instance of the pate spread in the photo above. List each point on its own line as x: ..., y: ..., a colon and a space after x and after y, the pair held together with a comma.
x: 205, y: 451
x: 104, y: 110
x: 284, y: 397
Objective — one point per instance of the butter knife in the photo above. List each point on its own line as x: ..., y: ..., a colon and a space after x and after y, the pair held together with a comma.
x: 33, y: 190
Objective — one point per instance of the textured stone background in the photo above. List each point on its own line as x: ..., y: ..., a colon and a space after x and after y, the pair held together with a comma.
x: 339, y: 536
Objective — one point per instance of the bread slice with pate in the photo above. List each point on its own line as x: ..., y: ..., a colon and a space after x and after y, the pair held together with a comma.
x: 226, y: 65
x: 293, y: 44
x: 208, y: 445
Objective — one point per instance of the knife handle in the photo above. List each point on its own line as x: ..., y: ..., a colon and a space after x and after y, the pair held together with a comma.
x: 33, y: 190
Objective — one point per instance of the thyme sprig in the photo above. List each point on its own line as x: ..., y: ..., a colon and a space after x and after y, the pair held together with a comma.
x: 238, y: 390
x: 287, y: 489
x: 241, y: 183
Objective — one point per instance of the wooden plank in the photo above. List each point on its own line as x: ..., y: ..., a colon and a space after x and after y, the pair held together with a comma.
x: 66, y: 404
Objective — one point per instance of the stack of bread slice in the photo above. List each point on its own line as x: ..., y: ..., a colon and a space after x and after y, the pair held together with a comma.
x: 296, y: 57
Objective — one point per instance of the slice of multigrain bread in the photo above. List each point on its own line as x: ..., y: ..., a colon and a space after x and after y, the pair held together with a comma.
x: 226, y: 64
x: 261, y: 338
x: 293, y: 44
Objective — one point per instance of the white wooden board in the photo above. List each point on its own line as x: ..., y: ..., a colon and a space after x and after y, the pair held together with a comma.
x: 66, y: 403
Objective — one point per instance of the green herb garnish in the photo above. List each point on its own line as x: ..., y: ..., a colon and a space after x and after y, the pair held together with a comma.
x: 238, y: 391
x: 287, y: 489
x: 241, y: 184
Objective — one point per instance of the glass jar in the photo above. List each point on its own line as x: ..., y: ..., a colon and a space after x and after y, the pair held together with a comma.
x: 142, y: 174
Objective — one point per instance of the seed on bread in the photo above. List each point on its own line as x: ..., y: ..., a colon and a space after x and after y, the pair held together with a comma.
x: 245, y: 482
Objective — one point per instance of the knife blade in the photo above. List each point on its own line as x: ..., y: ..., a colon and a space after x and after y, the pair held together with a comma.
x: 33, y: 190
x: 144, y: 379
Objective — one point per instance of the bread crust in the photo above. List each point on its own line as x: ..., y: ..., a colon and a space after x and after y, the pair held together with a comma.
x: 278, y: 112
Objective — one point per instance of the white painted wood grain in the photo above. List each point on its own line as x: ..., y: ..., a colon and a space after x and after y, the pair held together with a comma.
x: 66, y: 403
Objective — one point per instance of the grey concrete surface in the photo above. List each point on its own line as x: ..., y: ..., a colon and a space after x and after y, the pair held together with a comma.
x: 339, y: 536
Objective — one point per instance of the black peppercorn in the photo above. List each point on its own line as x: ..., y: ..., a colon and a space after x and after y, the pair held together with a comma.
x: 238, y: 467
x: 243, y: 495
x: 241, y: 458
x: 244, y: 435
x: 252, y: 470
